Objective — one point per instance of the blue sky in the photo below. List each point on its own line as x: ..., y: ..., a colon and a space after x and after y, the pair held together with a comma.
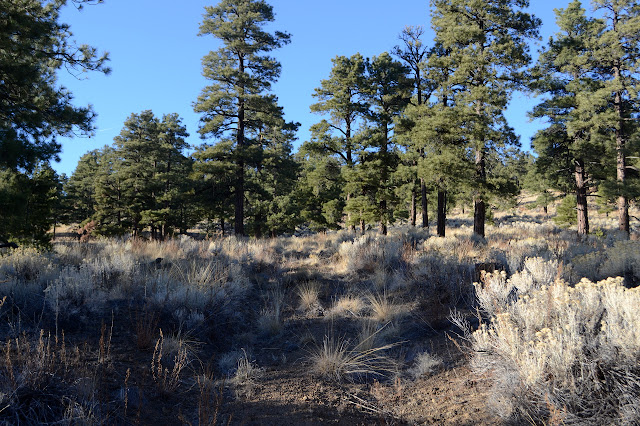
x: 155, y: 56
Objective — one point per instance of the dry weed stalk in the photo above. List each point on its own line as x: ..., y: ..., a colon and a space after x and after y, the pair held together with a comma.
x: 167, y: 379
x: 146, y: 323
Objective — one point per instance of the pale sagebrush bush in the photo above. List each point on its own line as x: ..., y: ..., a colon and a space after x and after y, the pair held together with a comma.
x: 495, y: 293
x: 567, y: 354
x: 75, y: 289
x: 583, y: 265
x: 27, y: 265
x: 189, y: 247
x: 541, y: 271
x: 442, y: 275
x: 69, y: 253
x: 199, y: 285
x: 519, y: 250
x: 366, y: 253
x: 113, y: 268
x: 621, y: 260
x: 425, y: 365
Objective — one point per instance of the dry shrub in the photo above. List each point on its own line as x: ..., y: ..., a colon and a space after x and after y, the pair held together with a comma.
x: 245, y: 378
x: 368, y: 253
x: 495, y: 292
x: 270, y: 320
x: 425, y: 365
x: 564, y: 353
x: 383, y: 309
x: 146, y: 326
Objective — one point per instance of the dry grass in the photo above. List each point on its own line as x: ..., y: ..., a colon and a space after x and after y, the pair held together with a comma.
x: 562, y: 351
x: 347, y: 305
x: 337, y: 360
x: 308, y: 293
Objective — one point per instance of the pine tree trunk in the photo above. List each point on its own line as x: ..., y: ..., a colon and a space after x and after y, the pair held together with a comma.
x: 413, y: 212
x: 239, y: 190
x: 581, y: 198
x: 425, y: 211
x: 363, y: 226
x: 621, y: 166
x: 383, y: 217
x: 442, y: 213
x: 479, y: 214
x: 352, y: 226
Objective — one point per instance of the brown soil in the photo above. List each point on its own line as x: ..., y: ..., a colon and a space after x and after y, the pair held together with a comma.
x: 293, y: 396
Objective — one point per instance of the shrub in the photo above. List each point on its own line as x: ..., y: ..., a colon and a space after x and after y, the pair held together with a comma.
x: 565, y: 354
x: 566, y: 213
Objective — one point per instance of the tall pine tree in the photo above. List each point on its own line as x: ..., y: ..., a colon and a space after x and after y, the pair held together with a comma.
x: 617, y: 53
x: 565, y: 72
x: 487, y: 45
x: 241, y: 74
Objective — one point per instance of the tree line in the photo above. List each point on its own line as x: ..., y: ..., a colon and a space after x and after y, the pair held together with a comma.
x: 419, y: 129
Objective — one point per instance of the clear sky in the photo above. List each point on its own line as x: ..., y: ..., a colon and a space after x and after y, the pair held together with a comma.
x: 155, y: 55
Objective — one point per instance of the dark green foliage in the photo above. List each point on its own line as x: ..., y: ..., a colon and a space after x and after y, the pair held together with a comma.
x: 485, y: 45
x: 28, y: 202
x: 34, y: 109
x: 320, y: 191
x: 141, y: 182
x: 616, y: 107
x: 571, y: 151
x: 80, y: 189
x: 387, y: 91
x: 236, y: 106
x: 566, y: 214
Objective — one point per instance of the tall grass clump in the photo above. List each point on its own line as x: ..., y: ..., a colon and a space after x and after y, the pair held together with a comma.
x: 338, y: 359
x: 565, y: 355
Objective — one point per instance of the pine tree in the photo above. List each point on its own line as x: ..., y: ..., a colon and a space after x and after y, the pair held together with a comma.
x: 241, y: 73
x: 320, y: 190
x: 34, y: 109
x: 111, y: 214
x: 136, y: 146
x: 340, y: 97
x: 617, y: 54
x: 415, y: 54
x: 80, y: 189
x: 565, y: 71
x: 32, y: 199
x: 388, y: 91
x: 487, y: 49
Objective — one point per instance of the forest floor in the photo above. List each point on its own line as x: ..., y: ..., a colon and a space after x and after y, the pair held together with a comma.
x: 331, y: 328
